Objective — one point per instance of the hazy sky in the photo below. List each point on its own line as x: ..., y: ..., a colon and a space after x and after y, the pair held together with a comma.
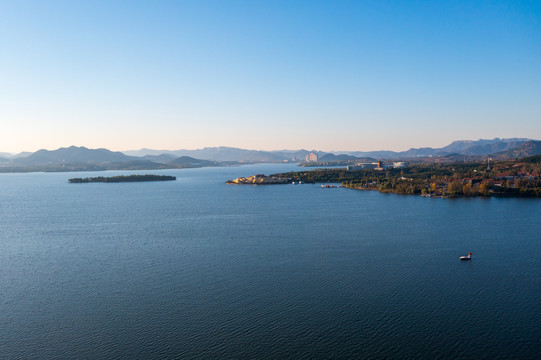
x: 327, y: 75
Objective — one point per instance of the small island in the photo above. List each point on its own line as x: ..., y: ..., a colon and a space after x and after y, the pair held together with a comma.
x: 122, y: 178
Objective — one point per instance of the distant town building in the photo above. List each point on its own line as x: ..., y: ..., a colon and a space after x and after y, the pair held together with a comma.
x: 312, y: 157
x: 361, y: 166
x: 376, y: 166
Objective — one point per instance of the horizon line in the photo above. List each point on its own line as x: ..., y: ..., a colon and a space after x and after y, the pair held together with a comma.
x: 273, y: 150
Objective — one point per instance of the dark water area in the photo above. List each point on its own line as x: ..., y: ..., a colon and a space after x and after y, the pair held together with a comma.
x: 195, y: 268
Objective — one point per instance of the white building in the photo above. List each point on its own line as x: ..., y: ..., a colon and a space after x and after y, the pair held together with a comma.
x: 312, y: 157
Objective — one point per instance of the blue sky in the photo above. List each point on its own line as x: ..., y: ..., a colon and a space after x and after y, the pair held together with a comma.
x: 327, y: 75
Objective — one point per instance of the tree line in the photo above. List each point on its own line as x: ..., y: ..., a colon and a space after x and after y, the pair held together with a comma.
x: 122, y: 178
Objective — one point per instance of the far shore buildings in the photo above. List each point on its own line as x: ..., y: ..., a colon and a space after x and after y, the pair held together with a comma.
x: 312, y: 157
x: 377, y: 166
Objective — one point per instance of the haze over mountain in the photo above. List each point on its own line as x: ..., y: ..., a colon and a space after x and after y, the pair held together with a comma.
x: 81, y: 158
x: 161, y: 159
x: 75, y: 158
x: 224, y: 153
x: 462, y: 147
x: 483, y: 147
x: 528, y: 148
x: 190, y: 161
x: 333, y: 157
x: 72, y: 154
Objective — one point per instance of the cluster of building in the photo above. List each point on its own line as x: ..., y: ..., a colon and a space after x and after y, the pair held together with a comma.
x: 312, y: 157
x: 500, y: 180
x: 508, y: 180
x: 380, y: 165
x: 377, y: 166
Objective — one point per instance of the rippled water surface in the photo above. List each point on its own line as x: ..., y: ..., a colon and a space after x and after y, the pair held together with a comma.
x: 198, y: 269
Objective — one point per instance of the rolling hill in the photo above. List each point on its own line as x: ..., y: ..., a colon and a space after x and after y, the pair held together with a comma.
x: 75, y: 158
x: 72, y: 154
x: 529, y: 148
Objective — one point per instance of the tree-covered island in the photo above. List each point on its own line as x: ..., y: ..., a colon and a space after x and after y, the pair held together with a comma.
x: 122, y: 178
x: 519, y: 177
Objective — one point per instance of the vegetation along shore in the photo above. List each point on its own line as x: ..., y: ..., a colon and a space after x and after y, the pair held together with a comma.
x: 122, y: 178
x: 519, y: 177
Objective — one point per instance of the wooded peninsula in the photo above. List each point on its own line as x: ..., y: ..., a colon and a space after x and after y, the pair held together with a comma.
x: 517, y: 178
x: 122, y: 178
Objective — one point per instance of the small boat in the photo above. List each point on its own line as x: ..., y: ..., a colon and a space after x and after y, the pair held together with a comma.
x: 466, y: 257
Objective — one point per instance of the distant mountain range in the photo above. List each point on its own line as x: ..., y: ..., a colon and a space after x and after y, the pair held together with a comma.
x: 461, y: 147
x: 80, y: 158
x: 192, y: 162
x: 528, y: 148
x: 72, y: 155
x: 76, y: 158
x: 224, y: 153
x: 343, y: 157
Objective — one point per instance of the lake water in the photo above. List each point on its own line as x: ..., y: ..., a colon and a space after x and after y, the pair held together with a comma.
x: 195, y: 268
